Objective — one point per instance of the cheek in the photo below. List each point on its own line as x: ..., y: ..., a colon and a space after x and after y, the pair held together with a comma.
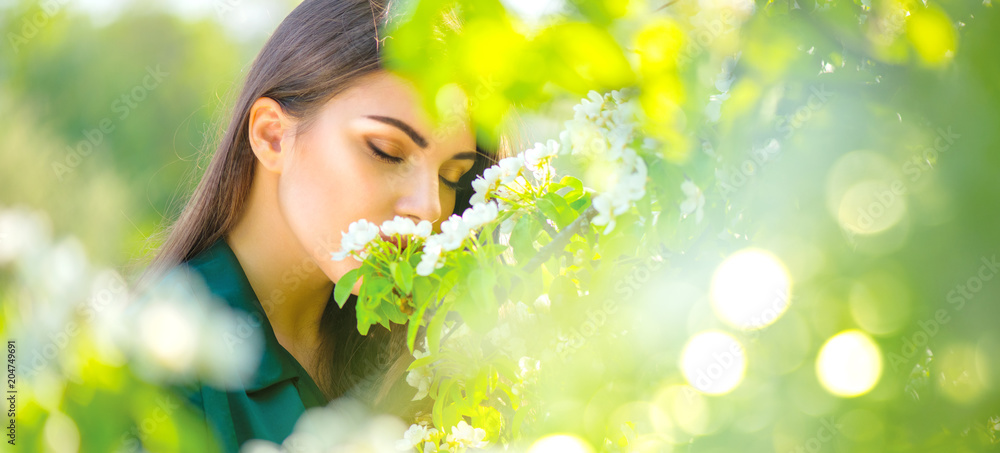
x: 448, y: 203
x: 320, y: 192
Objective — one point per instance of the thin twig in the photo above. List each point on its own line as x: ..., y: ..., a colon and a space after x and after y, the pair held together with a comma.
x: 560, y: 241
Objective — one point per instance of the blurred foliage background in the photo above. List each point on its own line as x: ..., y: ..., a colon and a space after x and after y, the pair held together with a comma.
x: 856, y: 141
x: 69, y: 68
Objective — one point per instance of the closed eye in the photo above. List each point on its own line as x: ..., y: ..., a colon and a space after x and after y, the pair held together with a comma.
x: 380, y: 155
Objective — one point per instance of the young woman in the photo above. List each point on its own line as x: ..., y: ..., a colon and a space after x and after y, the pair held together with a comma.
x: 320, y: 136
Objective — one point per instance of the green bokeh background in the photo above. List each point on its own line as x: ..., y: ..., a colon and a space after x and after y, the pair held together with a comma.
x: 890, y: 94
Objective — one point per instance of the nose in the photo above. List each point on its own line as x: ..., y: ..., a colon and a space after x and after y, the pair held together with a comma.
x: 420, y: 199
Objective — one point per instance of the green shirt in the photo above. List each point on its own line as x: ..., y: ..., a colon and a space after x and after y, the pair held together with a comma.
x: 272, y: 400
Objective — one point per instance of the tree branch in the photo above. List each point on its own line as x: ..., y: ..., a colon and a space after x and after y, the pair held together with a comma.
x: 560, y: 241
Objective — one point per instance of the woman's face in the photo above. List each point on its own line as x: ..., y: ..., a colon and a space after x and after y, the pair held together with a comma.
x: 372, y: 153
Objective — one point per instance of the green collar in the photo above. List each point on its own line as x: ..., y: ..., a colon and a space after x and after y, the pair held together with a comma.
x: 226, y: 279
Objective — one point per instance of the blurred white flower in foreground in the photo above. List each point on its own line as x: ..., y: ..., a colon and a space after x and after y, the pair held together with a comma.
x: 22, y: 232
x: 68, y: 312
x: 180, y: 330
x: 343, y: 425
x: 694, y: 203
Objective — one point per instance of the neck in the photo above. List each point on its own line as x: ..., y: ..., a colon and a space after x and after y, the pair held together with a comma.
x: 291, y: 288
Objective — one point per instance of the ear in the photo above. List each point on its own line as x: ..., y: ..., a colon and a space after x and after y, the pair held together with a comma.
x: 270, y: 129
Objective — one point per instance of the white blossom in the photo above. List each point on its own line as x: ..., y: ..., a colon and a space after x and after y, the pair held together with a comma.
x: 405, y: 226
x: 510, y: 168
x: 431, y: 259
x: 529, y: 367
x: 464, y: 434
x: 485, y: 184
x: 590, y: 106
x: 416, y: 435
x: 480, y: 214
x: 453, y: 232
x: 542, y: 303
x: 537, y: 160
x: 695, y: 201
x: 357, y: 237
x: 420, y: 377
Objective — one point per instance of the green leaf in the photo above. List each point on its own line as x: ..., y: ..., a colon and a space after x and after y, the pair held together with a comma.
x: 421, y: 288
x: 342, y: 290
x: 549, y: 211
x: 402, y: 273
x: 411, y: 332
x: 574, y: 183
x: 394, y: 313
x: 439, y: 402
x: 581, y: 57
x: 448, y: 282
x: 434, y: 329
x: 364, y: 322
x: 425, y: 360
x: 383, y: 314
x: 580, y: 204
x: 491, y: 251
x: 479, y: 307
x: 522, y: 238
x: 564, y: 213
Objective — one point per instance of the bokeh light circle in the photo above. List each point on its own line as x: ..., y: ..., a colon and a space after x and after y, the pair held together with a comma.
x: 750, y: 289
x: 849, y: 364
x: 560, y: 443
x: 713, y: 362
x: 873, y: 206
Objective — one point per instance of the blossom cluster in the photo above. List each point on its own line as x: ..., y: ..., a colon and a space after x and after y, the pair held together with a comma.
x: 602, y: 132
x: 518, y: 178
x: 361, y: 234
x: 430, y: 440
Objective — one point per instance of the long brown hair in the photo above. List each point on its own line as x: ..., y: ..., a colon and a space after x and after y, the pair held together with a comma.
x: 317, y: 52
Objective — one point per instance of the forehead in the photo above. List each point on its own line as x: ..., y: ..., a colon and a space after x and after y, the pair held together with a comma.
x: 388, y: 95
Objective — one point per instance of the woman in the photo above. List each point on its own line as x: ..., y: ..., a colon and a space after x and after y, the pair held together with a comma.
x: 321, y: 135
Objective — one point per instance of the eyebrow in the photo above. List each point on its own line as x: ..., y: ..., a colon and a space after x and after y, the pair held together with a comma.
x: 415, y: 136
